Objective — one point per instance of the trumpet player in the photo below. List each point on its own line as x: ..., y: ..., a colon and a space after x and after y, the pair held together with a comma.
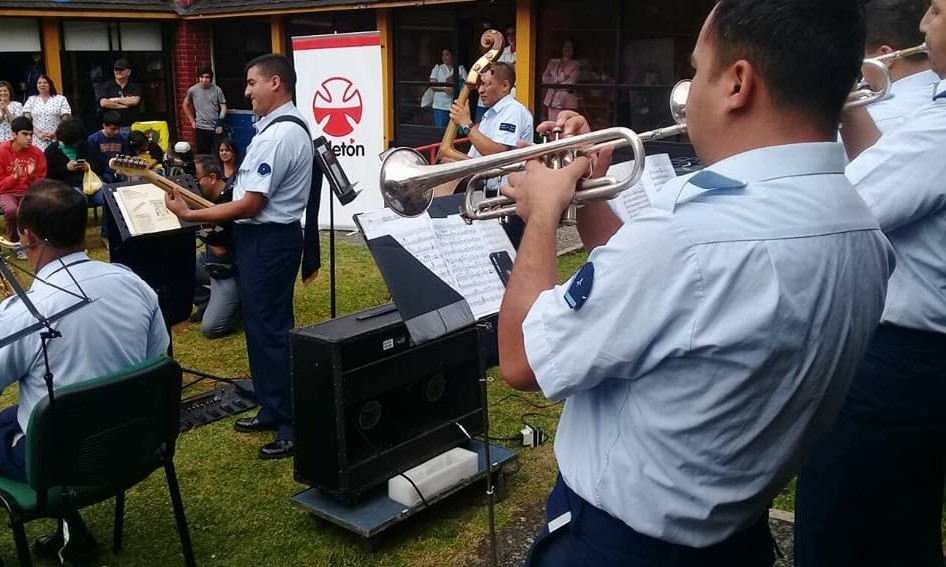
x: 121, y: 327
x: 892, y: 26
x: 707, y: 341
x: 877, y: 476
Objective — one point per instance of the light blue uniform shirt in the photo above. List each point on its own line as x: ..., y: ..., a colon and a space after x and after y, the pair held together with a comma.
x: 902, y: 178
x: 905, y: 97
x: 122, y: 327
x: 278, y: 164
x: 506, y: 122
x: 721, y: 332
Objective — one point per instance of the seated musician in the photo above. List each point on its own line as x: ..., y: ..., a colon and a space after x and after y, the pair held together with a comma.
x: 215, y: 288
x: 121, y: 327
x: 505, y: 123
x: 707, y: 341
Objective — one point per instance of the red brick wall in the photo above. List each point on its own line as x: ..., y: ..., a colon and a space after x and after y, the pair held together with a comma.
x: 191, y: 50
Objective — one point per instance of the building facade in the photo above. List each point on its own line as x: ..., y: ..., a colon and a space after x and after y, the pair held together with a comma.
x: 626, y: 55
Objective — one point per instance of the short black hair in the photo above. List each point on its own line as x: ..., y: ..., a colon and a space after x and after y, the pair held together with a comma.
x: 209, y: 164
x: 70, y: 131
x: 54, y: 212
x: 275, y: 65
x: 111, y: 118
x: 504, y: 72
x: 21, y: 124
x: 205, y: 70
x: 808, y: 52
x: 138, y: 140
x: 895, y: 23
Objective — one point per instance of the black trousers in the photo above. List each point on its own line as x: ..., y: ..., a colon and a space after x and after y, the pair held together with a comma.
x: 594, y: 538
x: 871, y: 492
x: 269, y: 256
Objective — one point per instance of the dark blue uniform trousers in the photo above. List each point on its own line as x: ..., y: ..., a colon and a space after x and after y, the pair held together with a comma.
x: 268, y: 258
x: 594, y: 538
x: 871, y: 492
x: 12, y: 457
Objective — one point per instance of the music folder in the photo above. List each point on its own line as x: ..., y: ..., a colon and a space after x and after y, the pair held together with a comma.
x: 443, y: 273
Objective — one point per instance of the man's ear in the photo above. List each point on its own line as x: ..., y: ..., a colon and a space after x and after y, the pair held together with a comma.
x: 740, y: 80
x: 27, y: 237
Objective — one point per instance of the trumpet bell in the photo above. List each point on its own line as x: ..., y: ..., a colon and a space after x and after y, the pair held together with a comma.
x: 398, y: 187
x: 678, y: 101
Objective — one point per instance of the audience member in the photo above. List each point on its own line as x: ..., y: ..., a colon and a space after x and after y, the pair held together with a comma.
x: 9, y: 109
x: 229, y: 157
x: 46, y: 109
x: 21, y: 163
x: 216, y: 294
x: 106, y: 144
x: 122, y: 96
x: 67, y: 157
x: 445, y: 78
x: 561, y: 71
x: 28, y: 84
x: 151, y: 153
x: 205, y: 107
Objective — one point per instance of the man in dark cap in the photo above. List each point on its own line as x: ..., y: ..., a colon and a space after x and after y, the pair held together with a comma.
x: 122, y: 96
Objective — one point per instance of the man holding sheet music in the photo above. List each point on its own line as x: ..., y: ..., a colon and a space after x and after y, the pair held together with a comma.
x: 708, y: 340
x: 269, y: 198
x: 121, y: 327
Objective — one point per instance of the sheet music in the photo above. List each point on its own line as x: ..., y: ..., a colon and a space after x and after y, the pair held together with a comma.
x: 466, y: 253
x: 144, y: 210
x: 457, y: 252
x: 658, y: 169
x: 413, y: 233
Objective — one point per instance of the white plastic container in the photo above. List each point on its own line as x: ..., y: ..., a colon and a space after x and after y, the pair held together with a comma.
x: 434, y: 476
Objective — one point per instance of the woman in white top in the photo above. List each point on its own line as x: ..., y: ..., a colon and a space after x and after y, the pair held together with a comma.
x: 47, y: 110
x: 561, y: 71
x: 446, y: 78
x: 9, y: 109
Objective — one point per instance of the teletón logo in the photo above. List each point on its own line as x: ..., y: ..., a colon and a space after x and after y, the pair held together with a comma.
x: 337, y: 106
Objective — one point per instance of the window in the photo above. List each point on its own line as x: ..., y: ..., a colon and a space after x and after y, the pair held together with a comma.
x: 421, y: 37
x: 630, y: 56
x: 235, y: 43
x: 90, y: 48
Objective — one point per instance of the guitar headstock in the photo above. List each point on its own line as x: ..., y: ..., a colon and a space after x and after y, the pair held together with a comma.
x: 129, y: 165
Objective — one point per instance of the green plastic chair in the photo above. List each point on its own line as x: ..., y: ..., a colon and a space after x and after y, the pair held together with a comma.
x: 98, y: 439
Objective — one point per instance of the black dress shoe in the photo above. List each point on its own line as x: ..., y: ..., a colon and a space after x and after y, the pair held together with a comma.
x: 80, y: 550
x: 253, y: 425
x: 278, y: 449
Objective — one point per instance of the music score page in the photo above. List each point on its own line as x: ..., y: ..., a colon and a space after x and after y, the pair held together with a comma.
x: 658, y: 169
x: 144, y: 210
x: 456, y: 252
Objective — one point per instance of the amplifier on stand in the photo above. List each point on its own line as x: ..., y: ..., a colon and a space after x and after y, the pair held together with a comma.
x: 368, y: 405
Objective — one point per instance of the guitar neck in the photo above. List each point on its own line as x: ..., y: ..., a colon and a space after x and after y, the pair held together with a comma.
x: 195, y: 201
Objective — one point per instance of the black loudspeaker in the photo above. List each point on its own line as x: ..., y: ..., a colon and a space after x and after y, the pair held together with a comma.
x: 368, y: 405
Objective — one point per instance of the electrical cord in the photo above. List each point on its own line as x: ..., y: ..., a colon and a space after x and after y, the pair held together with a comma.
x: 381, y: 458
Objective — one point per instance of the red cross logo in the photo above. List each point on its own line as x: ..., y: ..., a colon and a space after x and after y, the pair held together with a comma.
x: 337, y: 107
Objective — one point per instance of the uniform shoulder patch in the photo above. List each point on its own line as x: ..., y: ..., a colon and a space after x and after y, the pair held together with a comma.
x: 580, y: 288
x: 264, y: 169
x: 507, y: 127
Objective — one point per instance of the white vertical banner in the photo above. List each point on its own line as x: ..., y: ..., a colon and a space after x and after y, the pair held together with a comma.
x: 339, y: 92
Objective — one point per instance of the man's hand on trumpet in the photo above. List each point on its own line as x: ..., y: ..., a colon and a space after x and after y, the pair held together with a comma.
x: 543, y: 193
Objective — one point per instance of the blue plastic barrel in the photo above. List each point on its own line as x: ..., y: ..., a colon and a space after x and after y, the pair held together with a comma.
x: 241, y: 125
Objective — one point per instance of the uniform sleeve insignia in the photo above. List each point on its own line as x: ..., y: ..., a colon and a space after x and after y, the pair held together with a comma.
x: 507, y: 127
x: 264, y: 169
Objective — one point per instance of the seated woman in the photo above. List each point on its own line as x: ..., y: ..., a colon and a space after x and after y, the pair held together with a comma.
x: 66, y: 158
x: 229, y: 158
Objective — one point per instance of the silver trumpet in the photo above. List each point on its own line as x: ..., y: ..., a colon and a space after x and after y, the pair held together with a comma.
x: 862, y: 94
x: 408, y: 182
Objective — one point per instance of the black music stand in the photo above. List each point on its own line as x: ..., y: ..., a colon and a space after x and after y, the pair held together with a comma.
x: 164, y: 260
